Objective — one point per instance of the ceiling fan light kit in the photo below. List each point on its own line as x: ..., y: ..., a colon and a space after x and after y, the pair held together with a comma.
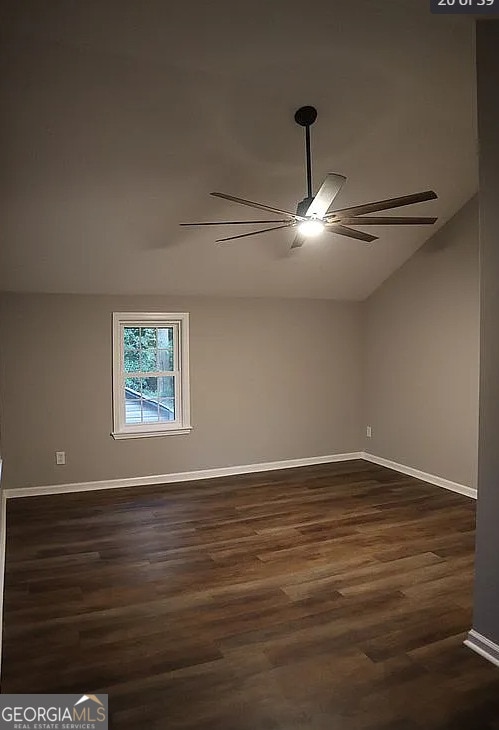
x: 311, y: 228
x: 313, y: 215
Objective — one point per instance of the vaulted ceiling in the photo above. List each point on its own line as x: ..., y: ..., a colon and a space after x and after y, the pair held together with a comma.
x: 120, y: 116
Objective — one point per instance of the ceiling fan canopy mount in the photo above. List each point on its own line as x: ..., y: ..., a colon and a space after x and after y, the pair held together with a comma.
x: 305, y: 116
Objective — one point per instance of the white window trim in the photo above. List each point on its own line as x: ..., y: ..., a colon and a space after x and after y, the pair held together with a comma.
x: 182, y: 424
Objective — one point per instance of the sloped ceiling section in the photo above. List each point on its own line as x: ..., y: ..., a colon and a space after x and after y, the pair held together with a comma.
x: 121, y: 116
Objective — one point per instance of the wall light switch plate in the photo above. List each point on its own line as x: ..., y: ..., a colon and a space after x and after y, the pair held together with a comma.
x: 369, y: 432
x: 60, y: 457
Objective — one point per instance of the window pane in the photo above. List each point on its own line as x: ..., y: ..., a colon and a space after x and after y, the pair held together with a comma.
x: 166, y: 392
x: 165, y: 359
x: 142, y: 400
x: 131, y: 342
x: 148, y: 361
x: 166, y: 386
x: 133, y: 385
x: 167, y: 409
x: 148, y: 337
x: 149, y: 387
x: 132, y: 360
x: 131, y: 337
x: 165, y: 338
x: 149, y: 410
x: 133, y: 405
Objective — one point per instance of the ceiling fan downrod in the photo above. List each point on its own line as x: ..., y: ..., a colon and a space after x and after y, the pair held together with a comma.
x: 305, y: 116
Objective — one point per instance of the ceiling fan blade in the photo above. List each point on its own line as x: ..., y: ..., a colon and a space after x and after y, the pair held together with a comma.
x: 387, y: 221
x: 326, y: 194
x: 384, y: 204
x: 260, y: 206
x: 254, y: 233
x: 351, y: 233
x: 232, y: 223
x: 298, y: 241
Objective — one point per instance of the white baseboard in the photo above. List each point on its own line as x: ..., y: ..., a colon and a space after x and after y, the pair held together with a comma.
x: 186, y: 476
x: 182, y: 476
x: 424, y: 476
x: 483, y: 646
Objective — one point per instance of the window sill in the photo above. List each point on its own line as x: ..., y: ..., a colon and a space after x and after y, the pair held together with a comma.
x: 118, y: 435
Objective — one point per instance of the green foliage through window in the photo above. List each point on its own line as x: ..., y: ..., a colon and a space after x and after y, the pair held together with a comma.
x: 149, y: 350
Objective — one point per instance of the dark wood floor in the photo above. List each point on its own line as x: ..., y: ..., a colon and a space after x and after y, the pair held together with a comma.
x: 333, y: 597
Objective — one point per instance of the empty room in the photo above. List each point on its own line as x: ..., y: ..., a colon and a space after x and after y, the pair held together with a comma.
x: 249, y: 374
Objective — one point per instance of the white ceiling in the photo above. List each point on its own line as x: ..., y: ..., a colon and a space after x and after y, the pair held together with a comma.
x: 120, y: 117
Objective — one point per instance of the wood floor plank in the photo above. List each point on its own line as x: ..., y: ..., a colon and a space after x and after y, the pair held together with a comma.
x: 331, y: 597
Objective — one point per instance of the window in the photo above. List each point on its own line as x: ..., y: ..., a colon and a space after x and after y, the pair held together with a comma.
x: 150, y: 374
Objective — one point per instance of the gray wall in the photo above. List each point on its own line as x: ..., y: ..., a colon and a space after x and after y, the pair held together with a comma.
x: 422, y: 356
x: 270, y: 380
x: 486, y: 614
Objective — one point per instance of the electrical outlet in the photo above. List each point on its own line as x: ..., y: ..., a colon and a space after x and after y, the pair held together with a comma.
x: 60, y: 457
x: 369, y: 432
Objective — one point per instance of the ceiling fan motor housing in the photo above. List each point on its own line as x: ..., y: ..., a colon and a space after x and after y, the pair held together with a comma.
x: 303, y: 206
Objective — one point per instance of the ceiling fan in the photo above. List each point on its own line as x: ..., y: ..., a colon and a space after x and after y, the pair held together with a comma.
x: 313, y: 216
